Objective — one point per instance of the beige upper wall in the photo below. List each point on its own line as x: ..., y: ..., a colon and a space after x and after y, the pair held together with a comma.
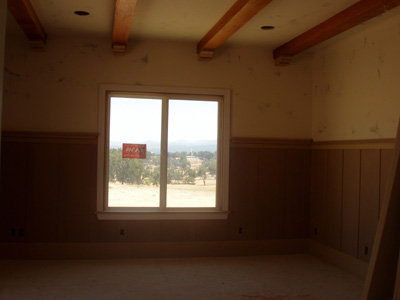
x: 356, y: 92
x: 57, y: 90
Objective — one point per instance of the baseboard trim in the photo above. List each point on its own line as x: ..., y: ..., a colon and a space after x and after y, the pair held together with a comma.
x: 48, y: 251
x: 149, y: 250
x: 339, y: 259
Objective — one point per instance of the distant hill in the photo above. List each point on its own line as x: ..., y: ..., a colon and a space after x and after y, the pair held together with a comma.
x: 178, y: 146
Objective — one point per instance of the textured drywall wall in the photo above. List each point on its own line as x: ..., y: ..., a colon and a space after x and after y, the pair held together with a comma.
x: 356, y: 82
x: 57, y: 90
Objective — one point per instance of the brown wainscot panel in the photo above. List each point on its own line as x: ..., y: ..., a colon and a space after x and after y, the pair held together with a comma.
x: 386, y: 160
x: 178, y: 230
x: 243, y: 193
x: 143, y: 230
x: 271, y: 194
x: 369, y: 201
x: 42, y: 203
x: 77, y: 193
x: 212, y: 230
x: 13, y: 191
x: 318, y: 194
x: 351, y: 201
x: 334, y: 198
x: 353, y: 186
x: 297, y: 193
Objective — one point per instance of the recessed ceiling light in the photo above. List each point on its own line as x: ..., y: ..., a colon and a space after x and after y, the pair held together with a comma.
x: 81, y: 13
x: 267, y: 27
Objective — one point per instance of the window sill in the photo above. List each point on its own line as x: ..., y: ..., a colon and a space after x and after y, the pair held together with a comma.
x: 124, y: 215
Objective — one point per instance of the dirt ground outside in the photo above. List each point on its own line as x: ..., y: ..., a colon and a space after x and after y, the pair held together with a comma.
x: 178, y: 195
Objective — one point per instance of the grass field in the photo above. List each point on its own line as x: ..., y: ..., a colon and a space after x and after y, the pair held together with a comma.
x: 178, y: 195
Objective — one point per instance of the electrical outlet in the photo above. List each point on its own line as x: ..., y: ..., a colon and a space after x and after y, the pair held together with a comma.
x: 122, y: 232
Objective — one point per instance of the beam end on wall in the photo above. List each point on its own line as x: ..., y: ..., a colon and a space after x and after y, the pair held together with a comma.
x: 205, y: 55
x: 37, y: 45
x: 283, y: 60
x: 119, y: 49
x: 235, y: 18
x: 29, y: 22
x: 123, y: 17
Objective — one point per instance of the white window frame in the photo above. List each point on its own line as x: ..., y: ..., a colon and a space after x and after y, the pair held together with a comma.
x: 132, y: 213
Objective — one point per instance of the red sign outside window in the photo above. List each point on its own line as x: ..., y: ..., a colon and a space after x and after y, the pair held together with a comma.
x: 134, y: 151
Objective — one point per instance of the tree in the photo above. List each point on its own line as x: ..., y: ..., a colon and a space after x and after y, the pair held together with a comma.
x: 155, y: 177
x: 152, y: 159
x: 125, y: 170
x: 114, y: 157
x: 210, y: 165
x: 177, y: 167
x: 146, y: 175
x: 122, y: 170
x: 202, y: 172
x: 205, y: 155
x: 136, y: 167
x: 174, y: 175
x: 178, y: 160
x: 189, y: 176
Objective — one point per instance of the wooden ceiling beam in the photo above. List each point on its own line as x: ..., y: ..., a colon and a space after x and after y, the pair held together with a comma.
x: 237, y: 16
x: 123, y: 17
x: 26, y: 17
x: 344, y: 20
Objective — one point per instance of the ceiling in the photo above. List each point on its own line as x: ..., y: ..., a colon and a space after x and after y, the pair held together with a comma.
x: 183, y: 20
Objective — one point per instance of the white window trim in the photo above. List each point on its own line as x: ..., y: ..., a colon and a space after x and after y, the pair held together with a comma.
x: 106, y: 213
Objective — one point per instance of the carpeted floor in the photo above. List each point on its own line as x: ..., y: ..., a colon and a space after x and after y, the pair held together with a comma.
x: 274, y: 277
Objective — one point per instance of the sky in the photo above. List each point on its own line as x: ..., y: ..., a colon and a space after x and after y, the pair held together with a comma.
x: 136, y: 120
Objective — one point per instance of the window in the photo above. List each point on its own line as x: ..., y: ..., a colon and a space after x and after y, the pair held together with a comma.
x: 163, y: 153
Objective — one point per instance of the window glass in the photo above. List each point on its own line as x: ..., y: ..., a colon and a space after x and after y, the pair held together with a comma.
x: 133, y: 182
x: 191, y: 174
x: 192, y: 153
